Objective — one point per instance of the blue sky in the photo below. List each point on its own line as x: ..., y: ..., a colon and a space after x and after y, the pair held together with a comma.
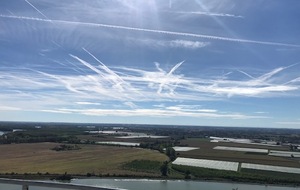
x: 183, y: 62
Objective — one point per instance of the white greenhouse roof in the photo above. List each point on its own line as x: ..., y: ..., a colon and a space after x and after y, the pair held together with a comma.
x: 203, y: 163
x: 256, y: 150
x: 119, y: 143
x: 184, y: 148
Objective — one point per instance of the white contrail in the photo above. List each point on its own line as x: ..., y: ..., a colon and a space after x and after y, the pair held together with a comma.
x: 108, y: 70
x: 36, y: 9
x: 248, y: 75
x: 87, y: 65
x: 275, y: 71
x: 119, y: 80
x: 158, y: 68
x: 175, y: 67
x: 205, y: 13
x: 155, y: 31
x: 170, y: 4
x: 113, y: 81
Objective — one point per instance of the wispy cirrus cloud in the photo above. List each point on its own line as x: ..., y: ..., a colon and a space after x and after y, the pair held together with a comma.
x: 261, y: 112
x: 56, y: 111
x: 95, y: 82
x: 130, y: 104
x: 188, y: 44
x: 9, y: 108
x: 139, y: 85
x: 88, y: 103
x: 191, y: 109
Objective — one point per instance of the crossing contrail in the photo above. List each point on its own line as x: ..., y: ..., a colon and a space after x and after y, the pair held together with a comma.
x: 168, y: 75
x: 210, y: 37
x: 36, y: 9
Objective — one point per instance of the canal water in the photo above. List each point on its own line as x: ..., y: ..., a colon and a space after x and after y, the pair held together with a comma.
x: 138, y: 184
x: 19, y: 187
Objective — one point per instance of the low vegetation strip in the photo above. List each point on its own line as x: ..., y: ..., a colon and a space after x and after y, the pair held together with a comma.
x: 254, y: 150
x: 271, y: 168
x: 147, y: 166
x: 212, y: 164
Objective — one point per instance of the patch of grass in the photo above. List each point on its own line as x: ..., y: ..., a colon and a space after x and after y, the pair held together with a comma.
x: 143, y: 166
x: 271, y: 173
x: 64, y: 147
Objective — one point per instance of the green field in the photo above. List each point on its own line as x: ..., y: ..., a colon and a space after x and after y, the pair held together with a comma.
x: 95, y: 159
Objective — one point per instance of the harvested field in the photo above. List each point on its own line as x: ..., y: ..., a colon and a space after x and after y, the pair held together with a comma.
x: 37, y: 157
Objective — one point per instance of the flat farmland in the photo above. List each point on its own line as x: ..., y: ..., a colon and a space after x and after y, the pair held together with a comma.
x: 206, y: 151
x: 38, y: 157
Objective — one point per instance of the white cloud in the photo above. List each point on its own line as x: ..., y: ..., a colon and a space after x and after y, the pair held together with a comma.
x: 130, y: 104
x: 170, y: 44
x: 9, y: 108
x: 57, y: 111
x: 188, y: 44
x: 261, y: 112
x: 154, y: 113
x: 126, y: 84
x: 88, y: 103
x: 186, y: 108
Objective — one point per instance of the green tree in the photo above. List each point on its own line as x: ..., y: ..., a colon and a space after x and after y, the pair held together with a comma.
x: 187, y: 174
x: 171, y: 153
x: 164, y: 169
